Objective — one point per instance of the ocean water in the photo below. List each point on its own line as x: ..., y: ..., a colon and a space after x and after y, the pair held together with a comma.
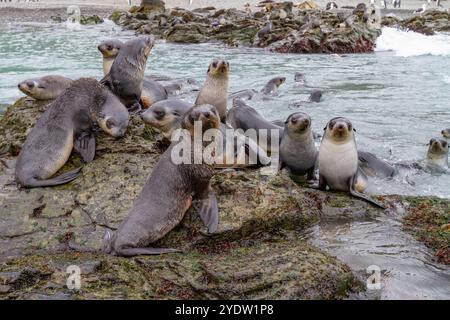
x: 397, y: 98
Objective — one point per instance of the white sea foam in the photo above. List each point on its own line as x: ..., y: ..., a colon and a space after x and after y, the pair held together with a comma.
x: 409, y: 43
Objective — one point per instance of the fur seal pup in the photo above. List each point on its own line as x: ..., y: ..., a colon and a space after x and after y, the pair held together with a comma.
x: 152, y: 92
x: 315, y: 96
x: 242, y: 116
x: 372, y: 166
x: 298, y: 152
x: 437, y: 155
x: 446, y: 133
x: 125, y: 79
x: 215, y: 88
x: 109, y: 50
x: 338, y: 160
x: 166, y: 196
x: 273, y: 85
x: 299, y: 78
x: 66, y: 124
x: 166, y: 115
x: 45, y: 88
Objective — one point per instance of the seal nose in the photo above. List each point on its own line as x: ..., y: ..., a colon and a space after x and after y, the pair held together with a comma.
x: 340, y: 126
x: 207, y: 114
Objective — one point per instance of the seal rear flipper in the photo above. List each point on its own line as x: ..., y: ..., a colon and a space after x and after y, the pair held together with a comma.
x: 131, y: 252
x: 85, y: 146
x: 362, y: 196
x: 61, y: 179
x: 208, y: 211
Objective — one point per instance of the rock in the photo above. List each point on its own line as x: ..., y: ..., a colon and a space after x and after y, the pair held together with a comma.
x: 94, y: 19
x: 308, y: 5
x: 152, y: 6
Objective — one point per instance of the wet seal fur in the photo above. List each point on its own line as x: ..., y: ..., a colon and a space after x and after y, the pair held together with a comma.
x: 215, y: 88
x: 45, y: 88
x: 298, y: 152
x: 68, y: 123
x: 126, y: 77
x: 166, y: 196
x: 273, y: 85
x: 338, y: 161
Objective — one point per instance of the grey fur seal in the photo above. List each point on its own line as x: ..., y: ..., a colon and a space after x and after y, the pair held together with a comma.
x: 299, y: 78
x: 315, y: 96
x: 446, y: 133
x: 338, y: 160
x: 66, y: 124
x: 298, y: 152
x: 166, y: 196
x: 215, y: 88
x: 372, y: 166
x: 152, y: 92
x: 166, y: 115
x: 437, y: 154
x: 45, y: 88
x: 125, y: 79
x: 243, y: 116
x: 273, y: 85
x: 109, y: 50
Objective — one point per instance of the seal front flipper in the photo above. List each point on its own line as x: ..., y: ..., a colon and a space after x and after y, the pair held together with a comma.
x: 206, y: 206
x: 362, y: 196
x: 85, y: 145
x: 61, y: 179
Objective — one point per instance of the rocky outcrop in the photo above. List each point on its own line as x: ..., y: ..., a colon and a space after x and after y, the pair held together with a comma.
x: 428, y: 23
x: 279, y: 26
x: 258, y: 252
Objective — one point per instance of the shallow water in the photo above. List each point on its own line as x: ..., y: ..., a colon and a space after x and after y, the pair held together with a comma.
x: 396, y: 99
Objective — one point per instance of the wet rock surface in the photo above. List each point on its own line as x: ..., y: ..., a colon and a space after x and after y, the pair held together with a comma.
x: 258, y: 252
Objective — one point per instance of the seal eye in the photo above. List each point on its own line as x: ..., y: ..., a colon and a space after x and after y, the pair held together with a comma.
x: 444, y: 144
x: 110, y: 123
x: 214, y: 65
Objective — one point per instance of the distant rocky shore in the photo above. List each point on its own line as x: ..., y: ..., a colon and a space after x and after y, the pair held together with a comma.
x: 281, y: 27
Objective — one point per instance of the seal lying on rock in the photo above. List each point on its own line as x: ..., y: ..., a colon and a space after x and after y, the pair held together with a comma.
x: 338, y: 161
x: 298, y: 152
x: 45, y: 88
x: 215, y: 88
x: 166, y: 115
x: 273, y: 85
x: 167, y: 195
x: 66, y: 124
x: 125, y: 79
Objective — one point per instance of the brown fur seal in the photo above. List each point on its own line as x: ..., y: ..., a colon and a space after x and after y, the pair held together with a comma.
x: 125, y: 79
x: 167, y: 195
x: 166, y: 115
x: 45, y: 88
x: 215, y: 88
x: 338, y: 160
x: 109, y: 50
x: 273, y: 85
x: 298, y: 152
x: 372, y: 166
x: 446, y: 133
x: 66, y: 124
x: 152, y: 92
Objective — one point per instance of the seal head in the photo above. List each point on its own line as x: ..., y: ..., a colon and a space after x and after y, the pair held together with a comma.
x: 45, y: 88
x: 109, y: 50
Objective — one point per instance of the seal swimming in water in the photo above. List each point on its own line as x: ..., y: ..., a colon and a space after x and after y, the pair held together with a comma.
x: 446, y: 133
x: 167, y: 195
x: 315, y: 96
x: 372, y: 166
x: 166, y: 115
x: 66, y: 124
x: 215, y: 88
x: 126, y: 77
x: 45, y: 88
x: 338, y: 161
x: 298, y: 152
x: 273, y: 85
x: 109, y: 50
